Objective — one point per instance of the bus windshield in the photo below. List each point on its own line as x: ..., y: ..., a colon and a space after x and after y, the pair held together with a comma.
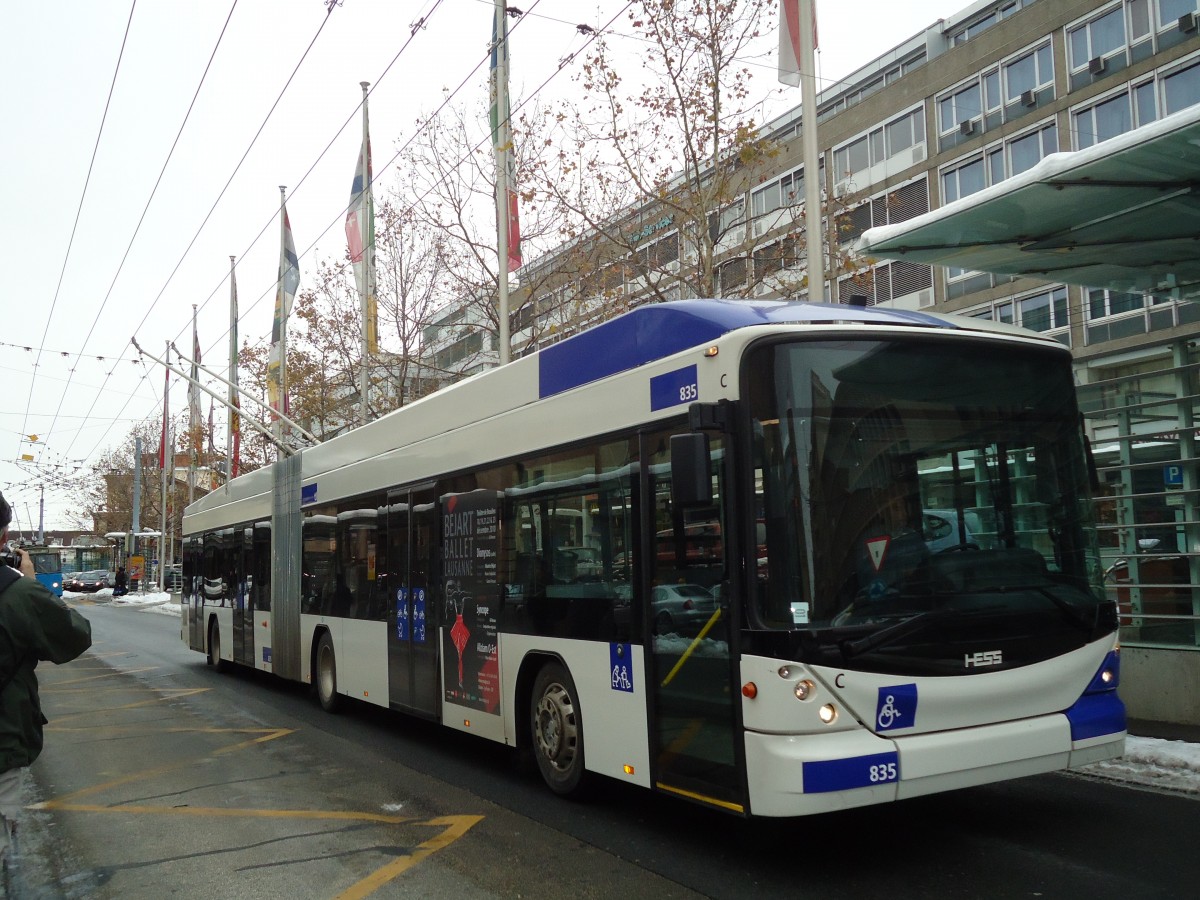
x: 45, y: 562
x: 904, y: 485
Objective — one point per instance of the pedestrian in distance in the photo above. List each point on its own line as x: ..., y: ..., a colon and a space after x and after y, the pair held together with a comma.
x: 35, y: 626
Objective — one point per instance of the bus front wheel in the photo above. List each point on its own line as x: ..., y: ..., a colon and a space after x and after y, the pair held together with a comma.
x: 557, y: 730
x: 325, y: 675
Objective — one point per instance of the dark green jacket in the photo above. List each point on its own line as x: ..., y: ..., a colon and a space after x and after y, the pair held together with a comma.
x: 34, y: 625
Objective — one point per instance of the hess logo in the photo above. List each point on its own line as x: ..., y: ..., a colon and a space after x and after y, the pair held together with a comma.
x: 983, y: 658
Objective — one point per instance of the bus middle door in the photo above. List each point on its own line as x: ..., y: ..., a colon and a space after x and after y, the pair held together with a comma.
x: 412, y: 633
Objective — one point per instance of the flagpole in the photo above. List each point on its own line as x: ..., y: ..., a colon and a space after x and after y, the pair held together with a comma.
x: 367, y: 263
x: 162, y: 464
x: 813, y: 229
x: 193, y: 422
x: 233, y: 320
x: 277, y: 425
x: 501, y: 148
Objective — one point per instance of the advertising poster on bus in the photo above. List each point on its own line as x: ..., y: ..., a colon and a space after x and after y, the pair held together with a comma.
x: 470, y: 527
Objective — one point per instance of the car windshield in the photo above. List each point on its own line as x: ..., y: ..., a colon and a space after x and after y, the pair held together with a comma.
x: 894, y: 479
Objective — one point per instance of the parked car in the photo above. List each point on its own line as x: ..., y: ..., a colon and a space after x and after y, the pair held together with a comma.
x: 173, y: 577
x: 88, y: 582
x: 681, y: 608
x: 941, y: 530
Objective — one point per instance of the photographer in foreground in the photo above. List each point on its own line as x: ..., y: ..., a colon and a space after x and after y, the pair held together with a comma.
x: 34, y: 626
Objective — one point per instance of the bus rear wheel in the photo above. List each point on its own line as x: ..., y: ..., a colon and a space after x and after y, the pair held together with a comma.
x: 214, y: 647
x: 325, y: 675
x: 556, y: 729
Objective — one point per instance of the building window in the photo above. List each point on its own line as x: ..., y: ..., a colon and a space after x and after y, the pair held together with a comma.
x: 787, y: 253
x: 1043, y: 311
x: 1103, y: 121
x: 1102, y: 37
x: 1181, y: 89
x: 722, y: 222
x: 962, y: 105
x: 998, y: 161
x: 964, y: 33
x: 1170, y: 11
x: 1004, y: 92
x: 963, y: 180
x: 880, y: 145
x: 1167, y: 91
x: 732, y: 274
x: 785, y: 191
x: 1031, y: 72
x: 1102, y: 302
x: 1122, y: 34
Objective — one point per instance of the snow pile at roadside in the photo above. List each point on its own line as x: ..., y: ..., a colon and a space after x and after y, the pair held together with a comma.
x: 148, y: 601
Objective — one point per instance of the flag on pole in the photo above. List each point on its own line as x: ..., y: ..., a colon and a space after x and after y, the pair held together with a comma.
x: 235, y: 425
x: 285, y: 292
x: 162, y: 440
x: 212, y: 449
x: 789, y: 39
x: 498, y: 114
x: 194, y: 396
x: 360, y: 235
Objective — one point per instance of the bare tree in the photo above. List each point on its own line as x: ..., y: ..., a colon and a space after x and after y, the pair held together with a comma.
x: 654, y: 173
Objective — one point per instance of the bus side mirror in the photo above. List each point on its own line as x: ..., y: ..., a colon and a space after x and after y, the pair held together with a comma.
x: 1093, y: 472
x: 691, y: 470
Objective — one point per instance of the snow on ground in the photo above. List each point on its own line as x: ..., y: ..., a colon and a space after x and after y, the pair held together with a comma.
x: 1148, y: 761
x: 149, y: 601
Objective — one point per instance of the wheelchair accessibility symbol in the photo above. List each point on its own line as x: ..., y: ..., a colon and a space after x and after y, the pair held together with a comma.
x: 896, y: 707
x: 889, y: 714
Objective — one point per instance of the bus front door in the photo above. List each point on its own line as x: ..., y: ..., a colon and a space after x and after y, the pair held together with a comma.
x: 693, y: 724
x: 412, y: 630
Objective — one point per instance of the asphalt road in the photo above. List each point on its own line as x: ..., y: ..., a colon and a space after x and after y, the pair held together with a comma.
x: 162, y: 778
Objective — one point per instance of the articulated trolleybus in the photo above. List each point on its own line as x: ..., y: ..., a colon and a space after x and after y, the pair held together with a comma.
x: 776, y: 558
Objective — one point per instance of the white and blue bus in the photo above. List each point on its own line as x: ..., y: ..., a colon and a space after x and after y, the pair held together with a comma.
x: 776, y: 558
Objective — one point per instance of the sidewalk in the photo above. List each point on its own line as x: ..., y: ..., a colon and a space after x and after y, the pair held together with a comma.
x: 1167, y: 731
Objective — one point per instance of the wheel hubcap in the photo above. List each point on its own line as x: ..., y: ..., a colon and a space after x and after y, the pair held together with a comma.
x: 557, y: 734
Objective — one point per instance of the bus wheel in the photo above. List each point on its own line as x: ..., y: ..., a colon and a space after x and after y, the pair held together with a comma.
x: 325, y: 675
x: 557, y: 730
x: 214, y: 647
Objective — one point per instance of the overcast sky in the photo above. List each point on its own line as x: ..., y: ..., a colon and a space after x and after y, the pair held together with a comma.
x: 85, y: 270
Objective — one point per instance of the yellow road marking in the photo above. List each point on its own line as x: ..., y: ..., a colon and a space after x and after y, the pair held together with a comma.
x: 456, y: 827
x: 225, y: 812
x: 110, y: 674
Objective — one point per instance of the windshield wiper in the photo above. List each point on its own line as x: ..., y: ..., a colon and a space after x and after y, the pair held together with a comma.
x: 893, y: 633
x: 1070, y: 610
